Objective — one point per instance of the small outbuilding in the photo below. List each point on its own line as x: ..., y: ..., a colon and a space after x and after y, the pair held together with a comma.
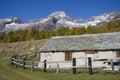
x: 96, y: 46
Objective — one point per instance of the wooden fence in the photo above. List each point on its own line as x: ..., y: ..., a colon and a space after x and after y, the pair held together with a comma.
x: 23, y: 63
x: 32, y: 65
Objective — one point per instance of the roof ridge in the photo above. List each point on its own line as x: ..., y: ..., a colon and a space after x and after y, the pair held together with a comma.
x: 114, y: 33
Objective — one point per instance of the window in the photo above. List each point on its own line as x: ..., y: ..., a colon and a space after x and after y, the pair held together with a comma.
x: 68, y: 56
x: 118, y: 55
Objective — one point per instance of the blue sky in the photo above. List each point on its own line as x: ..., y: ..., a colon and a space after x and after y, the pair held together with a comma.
x: 35, y: 9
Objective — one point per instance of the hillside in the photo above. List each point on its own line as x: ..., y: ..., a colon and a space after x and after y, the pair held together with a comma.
x: 9, y: 72
x: 27, y: 47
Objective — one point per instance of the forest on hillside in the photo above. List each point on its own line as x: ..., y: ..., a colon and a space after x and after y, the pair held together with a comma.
x: 31, y: 34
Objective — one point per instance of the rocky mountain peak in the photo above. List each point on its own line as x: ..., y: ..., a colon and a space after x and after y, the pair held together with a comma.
x: 58, y: 14
x: 10, y: 20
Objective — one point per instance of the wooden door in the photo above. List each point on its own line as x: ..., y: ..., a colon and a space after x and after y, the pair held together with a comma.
x: 68, y: 56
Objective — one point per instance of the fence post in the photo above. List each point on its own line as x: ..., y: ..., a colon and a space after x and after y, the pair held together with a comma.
x: 12, y: 60
x: 57, y: 70
x: 73, y: 66
x: 45, y: 65
x: 90, y: 65
x: 23, y: 62
x: 112, y: 66
x: 16, y: 64
x: 32, y: 68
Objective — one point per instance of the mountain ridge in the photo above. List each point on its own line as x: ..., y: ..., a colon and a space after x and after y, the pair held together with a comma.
x: 54, y: 21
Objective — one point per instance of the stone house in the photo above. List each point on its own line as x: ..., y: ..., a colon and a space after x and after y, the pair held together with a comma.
x: 96, y: 46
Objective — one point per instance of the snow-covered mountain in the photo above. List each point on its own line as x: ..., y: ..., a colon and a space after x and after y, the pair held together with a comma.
x: 54, y: 21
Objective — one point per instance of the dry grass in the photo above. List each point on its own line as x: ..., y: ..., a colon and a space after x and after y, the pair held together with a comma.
x: 21, y: 47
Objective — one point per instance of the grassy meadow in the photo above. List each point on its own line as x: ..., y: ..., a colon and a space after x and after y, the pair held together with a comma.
x: 8, y: 72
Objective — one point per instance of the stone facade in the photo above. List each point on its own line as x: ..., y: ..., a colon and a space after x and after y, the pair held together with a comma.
x: 81, y: 58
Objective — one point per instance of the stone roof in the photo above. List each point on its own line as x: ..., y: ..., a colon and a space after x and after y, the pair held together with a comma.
x: 105, y: 41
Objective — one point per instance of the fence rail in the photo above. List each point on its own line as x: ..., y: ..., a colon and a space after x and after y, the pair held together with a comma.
x: 33, y: 65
